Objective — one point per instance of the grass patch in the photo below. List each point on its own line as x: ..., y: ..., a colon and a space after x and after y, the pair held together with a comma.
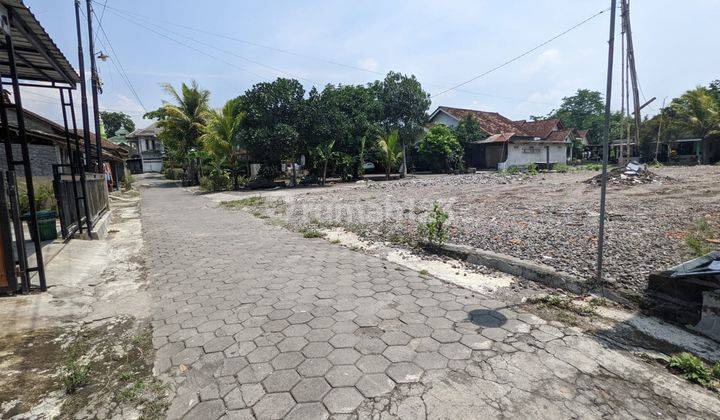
x: 335, y: 241
x: 697, y: 239
x: 75, y: 376
x: 566, y: 303
x: 244, y: 202
x: 310, y: 233
x: 691, y: 368
x: 563, y: 168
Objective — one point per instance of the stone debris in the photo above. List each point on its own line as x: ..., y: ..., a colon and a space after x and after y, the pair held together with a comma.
x: 631, y: 174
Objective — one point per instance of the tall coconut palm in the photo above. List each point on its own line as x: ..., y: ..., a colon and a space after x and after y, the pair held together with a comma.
x: 391, y: 152
x: 697, y: 112
x: 181, y: 121
x: 220, y: 135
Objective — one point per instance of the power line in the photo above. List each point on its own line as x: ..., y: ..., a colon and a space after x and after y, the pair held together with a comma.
x: 296, y: 54
x: 537, y: 47
x: 102, y: 15
x: 279, y: 70
x: 193, y: 48
x: 115, y: 60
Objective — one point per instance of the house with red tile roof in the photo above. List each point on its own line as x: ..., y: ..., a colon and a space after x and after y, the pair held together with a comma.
x: 513, y: 143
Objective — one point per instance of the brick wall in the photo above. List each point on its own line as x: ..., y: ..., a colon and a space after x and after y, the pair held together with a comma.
x: 41, y: 159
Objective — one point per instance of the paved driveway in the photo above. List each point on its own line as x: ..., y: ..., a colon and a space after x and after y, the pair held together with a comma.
x: 251, y: 320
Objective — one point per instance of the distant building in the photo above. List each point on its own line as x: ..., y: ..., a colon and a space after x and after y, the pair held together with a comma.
x: 146, y: 147
x: 513, y: 143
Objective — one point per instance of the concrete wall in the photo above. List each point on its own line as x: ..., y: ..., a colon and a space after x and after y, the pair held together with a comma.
x: 520, y: 154
x: 41, y: 159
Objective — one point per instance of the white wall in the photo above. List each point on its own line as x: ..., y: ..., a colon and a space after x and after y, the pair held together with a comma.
x: 445, y: 119
x: 520, y: 154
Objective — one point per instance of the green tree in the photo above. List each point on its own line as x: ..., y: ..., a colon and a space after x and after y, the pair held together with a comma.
x: 273, y: 114
x: 221, y: 136
x: 112, y: 121
x: 182, y: 122
x: 322, y: 154
x: 467, y: 132
x: 404, y: 105
x: 391, y: 152
x: 344, y: 114
x: 585, y: 111
x: 440, y: 150
x: 697, y: 113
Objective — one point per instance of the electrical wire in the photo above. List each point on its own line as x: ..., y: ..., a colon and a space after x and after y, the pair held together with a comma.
x: 296, y: 54
x: 517, y: 57
x: 115, y: 60
x: 191, y: 39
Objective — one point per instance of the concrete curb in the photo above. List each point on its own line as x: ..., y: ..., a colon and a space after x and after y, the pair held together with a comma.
x: 540, y: 273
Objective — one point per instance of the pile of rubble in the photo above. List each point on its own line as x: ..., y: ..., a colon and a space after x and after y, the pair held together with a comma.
x: 631, y: 174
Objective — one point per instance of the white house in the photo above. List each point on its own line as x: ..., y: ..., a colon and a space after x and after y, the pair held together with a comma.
x: 147, y: 147
x: 512, y: 143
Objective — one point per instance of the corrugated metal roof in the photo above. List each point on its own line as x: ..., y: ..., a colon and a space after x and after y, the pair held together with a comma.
x: 38, y: 58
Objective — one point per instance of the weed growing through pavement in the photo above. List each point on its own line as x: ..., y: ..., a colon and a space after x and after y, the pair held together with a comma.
x: 435, y: 228
x: 691, y: 367
x: 566, y: 303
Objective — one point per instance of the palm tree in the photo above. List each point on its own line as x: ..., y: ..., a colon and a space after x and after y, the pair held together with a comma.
x: 697, y: 112
x: 323, y: 153
x: 220, y: 135
x: 391, y: 151
x: 182, y: 121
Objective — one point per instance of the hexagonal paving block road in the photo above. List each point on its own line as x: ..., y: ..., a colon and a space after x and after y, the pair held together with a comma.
x: 251, y: 320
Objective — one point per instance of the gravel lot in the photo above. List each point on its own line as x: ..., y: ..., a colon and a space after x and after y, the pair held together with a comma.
x: 550, y: 218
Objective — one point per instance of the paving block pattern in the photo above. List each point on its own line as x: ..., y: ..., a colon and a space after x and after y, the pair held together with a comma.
x: 251, y: 320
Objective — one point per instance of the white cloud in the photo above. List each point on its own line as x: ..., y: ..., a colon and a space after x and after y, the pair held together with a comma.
x: 547, y: 59
x: 369, y: 63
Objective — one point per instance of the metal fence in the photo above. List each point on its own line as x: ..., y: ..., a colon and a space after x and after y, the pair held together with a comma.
x: 69, y: 189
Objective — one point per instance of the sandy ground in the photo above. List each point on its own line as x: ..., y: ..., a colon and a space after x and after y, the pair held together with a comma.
x: 549, y: 218
x: 92, y: 324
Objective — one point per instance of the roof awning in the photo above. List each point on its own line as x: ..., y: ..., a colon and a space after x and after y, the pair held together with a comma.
x: 37, y: 56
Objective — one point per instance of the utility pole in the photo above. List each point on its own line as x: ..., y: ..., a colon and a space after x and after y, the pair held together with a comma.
x: 606, y: 142
x: 657, y: 144
x: 633, y: 70
x: 95, y: 82
x: 83, y: 89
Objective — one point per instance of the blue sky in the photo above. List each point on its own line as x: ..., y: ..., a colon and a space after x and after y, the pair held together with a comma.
x: 441, y: 42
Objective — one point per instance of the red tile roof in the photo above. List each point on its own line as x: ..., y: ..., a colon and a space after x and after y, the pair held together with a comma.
x: 558, y: 136
x: 540, y: 128
x: 490, y: 122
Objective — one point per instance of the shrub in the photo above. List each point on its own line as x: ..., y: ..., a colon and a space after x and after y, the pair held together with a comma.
x: 563, y: 168
x: 75, y: 376
x: 716, y: 371
x: 691, y: 367
x: 218, y: 180
x: 435, y: 227
x: 440, y: 150
x: 173, y: 173
x: 44, y: 196
x: 531, y: 169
